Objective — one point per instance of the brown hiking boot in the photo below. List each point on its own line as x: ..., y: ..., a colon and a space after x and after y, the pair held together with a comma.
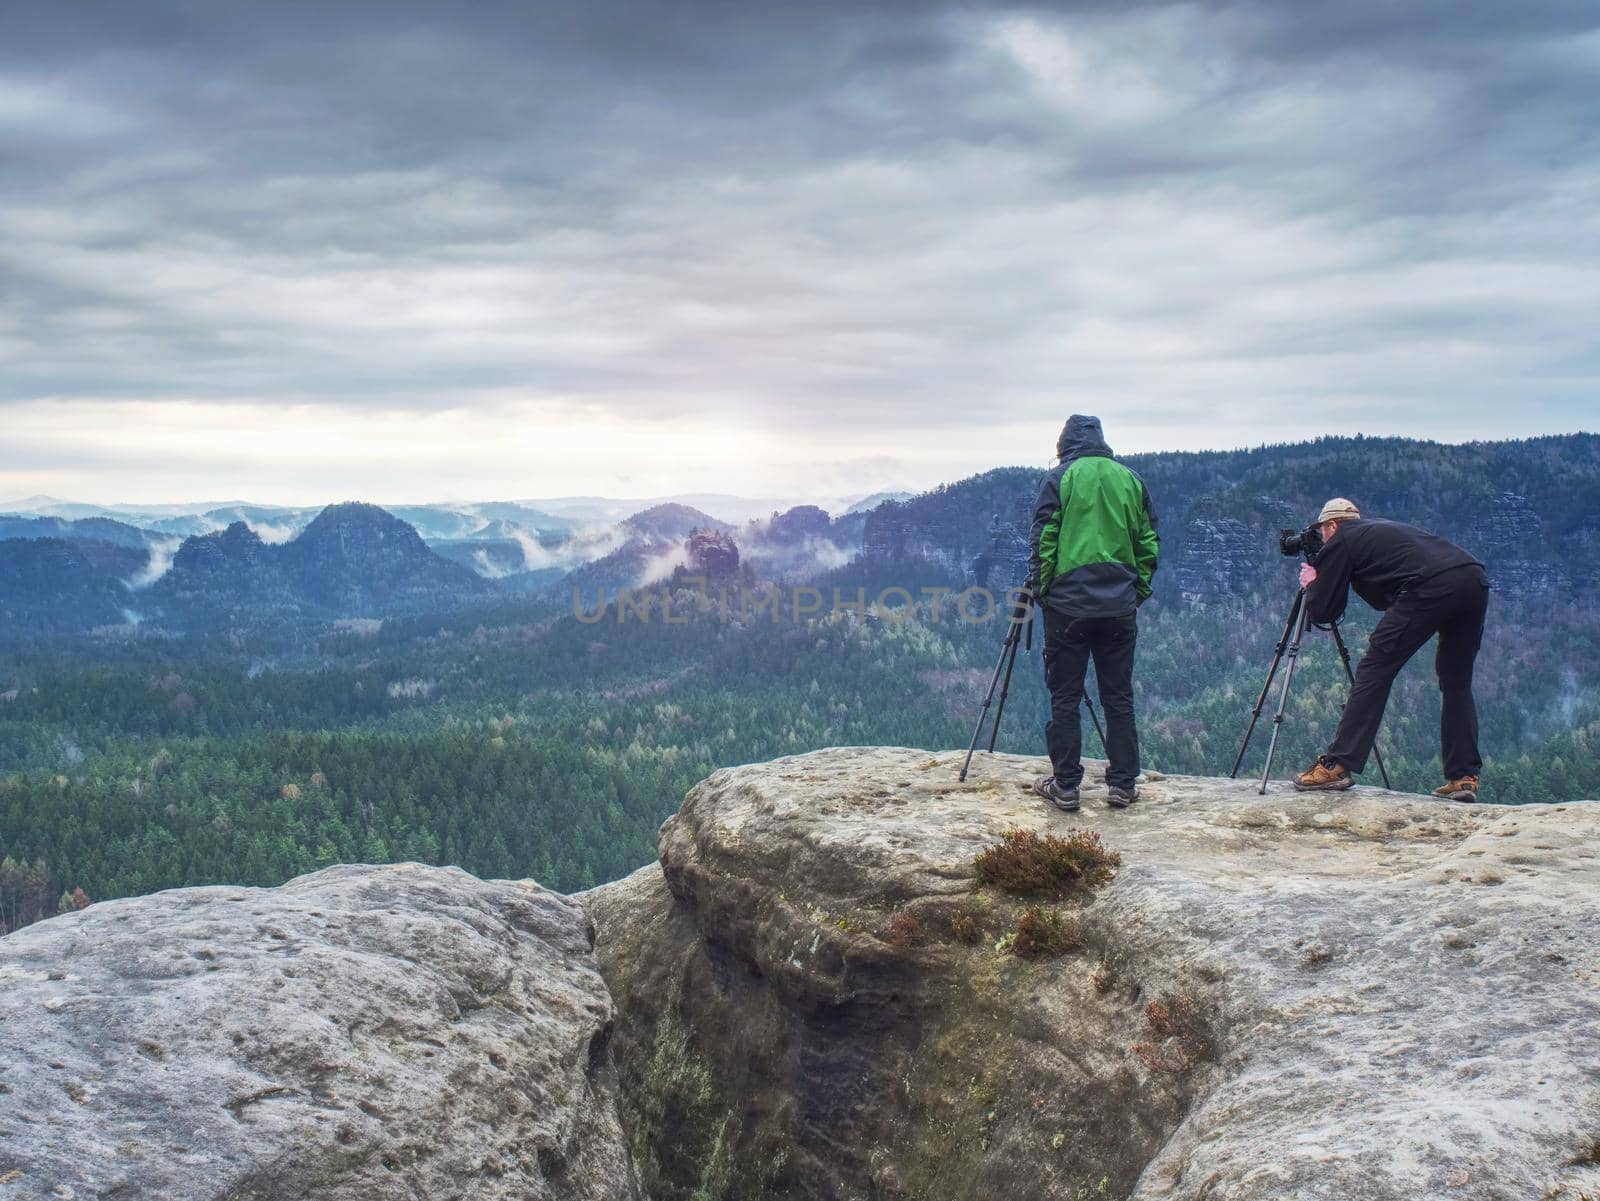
x: 1323, y: 776
x: 1465, y: 789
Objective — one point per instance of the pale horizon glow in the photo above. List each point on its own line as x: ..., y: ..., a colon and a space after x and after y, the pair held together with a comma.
x: 302, y: 456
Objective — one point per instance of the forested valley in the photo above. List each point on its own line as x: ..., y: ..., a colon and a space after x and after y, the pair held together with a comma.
x: 515, y: 738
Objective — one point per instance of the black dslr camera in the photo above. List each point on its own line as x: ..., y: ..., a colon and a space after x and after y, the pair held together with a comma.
x: 1307, y: 542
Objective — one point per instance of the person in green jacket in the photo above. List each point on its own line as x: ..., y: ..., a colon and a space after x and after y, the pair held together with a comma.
x: 1094, y: 551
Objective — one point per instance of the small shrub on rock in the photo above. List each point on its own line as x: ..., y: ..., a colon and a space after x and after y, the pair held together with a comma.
x: 1171, y: 1016
x: 1167, y: 1060
x: 964, y: 927
x: 1031, y: 864
x: 1043, y: 932
x: 1181, y: 1037
x: 903, y: 930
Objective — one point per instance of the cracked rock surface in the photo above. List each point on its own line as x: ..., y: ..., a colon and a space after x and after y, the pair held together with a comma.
x: 1329, y: 997
x: 362, y: 1032
x: 1388, y: 997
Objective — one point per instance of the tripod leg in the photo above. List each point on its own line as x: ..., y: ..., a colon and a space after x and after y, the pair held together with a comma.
x: 1095, y: 717
x: 1349, y: 674
x: 1277, y: 657
x: 1293, y: 655
x: 1005, y: 688
x: 1006, y: 650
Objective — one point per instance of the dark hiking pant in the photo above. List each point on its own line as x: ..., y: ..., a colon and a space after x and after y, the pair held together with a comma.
x: 1452, y: 604
x: 1069, y: 644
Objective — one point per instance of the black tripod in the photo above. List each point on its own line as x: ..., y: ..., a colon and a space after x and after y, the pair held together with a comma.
x: 1015, y: 637
x: 1289, y: 647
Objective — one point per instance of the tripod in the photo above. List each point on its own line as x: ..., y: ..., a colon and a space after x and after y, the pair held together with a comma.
x: 1289, y: 648
x: 1015, y: 636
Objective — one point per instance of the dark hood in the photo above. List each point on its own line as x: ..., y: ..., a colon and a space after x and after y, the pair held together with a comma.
x: 1081, y: 437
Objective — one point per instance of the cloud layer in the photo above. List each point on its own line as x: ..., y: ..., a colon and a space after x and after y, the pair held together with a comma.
x: 530, y: 249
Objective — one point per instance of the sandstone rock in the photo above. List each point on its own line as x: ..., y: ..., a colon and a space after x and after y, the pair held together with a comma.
x: 1366, y: 995
x: 1219, y: 556
x: 712, y: 554
x: 363, y: 1032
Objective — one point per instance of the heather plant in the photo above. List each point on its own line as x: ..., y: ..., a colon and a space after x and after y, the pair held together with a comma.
x: 1047, y: 865
x: 1042, y: 932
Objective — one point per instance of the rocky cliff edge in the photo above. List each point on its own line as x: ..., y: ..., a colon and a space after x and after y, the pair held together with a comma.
x: 361, y: 1034
x: 1365, y: 995
x: 1214, y: 996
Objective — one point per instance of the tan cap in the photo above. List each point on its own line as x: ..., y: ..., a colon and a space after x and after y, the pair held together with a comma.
x: 1338, y: 509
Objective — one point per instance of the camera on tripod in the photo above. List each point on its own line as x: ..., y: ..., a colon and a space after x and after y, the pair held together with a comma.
x: 1307, y: 542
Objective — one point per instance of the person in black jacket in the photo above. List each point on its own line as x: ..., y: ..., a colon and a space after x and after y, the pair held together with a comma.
x: 1425, y: 586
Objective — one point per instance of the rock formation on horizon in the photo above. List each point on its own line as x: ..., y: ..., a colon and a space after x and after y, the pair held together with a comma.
x: 1371, y: 996
x: 711, y: 554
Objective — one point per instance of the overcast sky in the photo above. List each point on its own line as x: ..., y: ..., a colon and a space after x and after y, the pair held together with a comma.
x: 301, y: 253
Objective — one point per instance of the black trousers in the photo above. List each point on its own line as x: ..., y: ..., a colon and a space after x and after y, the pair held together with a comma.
x: 1451, y: 605
x: 1069, y: 644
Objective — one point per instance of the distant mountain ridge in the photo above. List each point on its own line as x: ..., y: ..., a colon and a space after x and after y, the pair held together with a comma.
x: 91, y: 529
x: 353, y: 559
x: 61, y: 586
x: 666, y: 522
x: 1530, y: 509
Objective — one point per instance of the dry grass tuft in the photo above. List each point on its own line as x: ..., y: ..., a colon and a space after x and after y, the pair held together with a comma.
x: 903, y: 930
x: 1167, y: 1060
x: 1171, y: 1017
x: 1181, y: 1038
x: 1045, y: 932
x: 964, y: 927
x: 1031, y: 864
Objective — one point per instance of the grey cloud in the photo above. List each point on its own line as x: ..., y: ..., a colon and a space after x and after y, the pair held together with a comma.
x: 826, y: 213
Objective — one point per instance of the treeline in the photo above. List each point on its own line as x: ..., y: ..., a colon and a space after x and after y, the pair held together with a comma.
x: 504, y: 802
x: 555, y: 750
x: 27, y: 894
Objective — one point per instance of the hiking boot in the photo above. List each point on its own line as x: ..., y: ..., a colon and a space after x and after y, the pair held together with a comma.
x: 1324, y: 776
x: 1064, y: 799
x: 1120, y: 798
x: 1465, y: 789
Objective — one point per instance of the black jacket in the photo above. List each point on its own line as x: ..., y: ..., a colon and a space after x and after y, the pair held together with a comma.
x: 1380, y: 560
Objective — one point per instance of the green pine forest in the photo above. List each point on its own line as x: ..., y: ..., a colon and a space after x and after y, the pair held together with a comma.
x: 532, y: 744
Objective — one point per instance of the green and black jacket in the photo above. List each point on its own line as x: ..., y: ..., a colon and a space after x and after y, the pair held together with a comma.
x: 1094, y: 543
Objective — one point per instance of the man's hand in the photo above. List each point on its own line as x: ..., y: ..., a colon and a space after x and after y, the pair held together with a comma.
x: 1307, y: 574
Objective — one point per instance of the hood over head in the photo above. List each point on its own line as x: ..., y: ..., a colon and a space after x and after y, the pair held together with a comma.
x: 1081, y: 436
